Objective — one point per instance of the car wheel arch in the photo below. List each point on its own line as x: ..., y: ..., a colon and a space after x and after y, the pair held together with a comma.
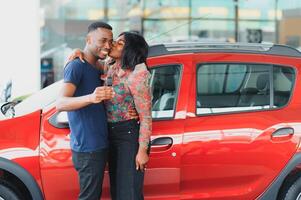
x: 291, y: 171
x: 8, y: 166
x: 289, y: 181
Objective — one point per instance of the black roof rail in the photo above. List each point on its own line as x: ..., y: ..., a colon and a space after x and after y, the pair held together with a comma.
x: 278, y: 49
x: 195, y: 47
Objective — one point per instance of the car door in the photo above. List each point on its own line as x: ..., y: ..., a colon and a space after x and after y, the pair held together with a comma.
x: 239, y: 137
x: 162, y: 178
x: 59, y: 177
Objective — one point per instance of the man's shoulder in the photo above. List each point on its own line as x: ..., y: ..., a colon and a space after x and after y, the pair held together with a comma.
x: 75, y: 63
x: 75, y: 66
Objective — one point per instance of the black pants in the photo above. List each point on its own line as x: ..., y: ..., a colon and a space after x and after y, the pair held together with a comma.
x: 90, y: 167
x: 126, y: 183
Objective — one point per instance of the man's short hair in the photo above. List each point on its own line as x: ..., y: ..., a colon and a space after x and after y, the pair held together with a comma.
x: 95, y: 25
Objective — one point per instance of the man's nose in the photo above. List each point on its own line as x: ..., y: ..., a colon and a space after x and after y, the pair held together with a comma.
x: 108, y: 45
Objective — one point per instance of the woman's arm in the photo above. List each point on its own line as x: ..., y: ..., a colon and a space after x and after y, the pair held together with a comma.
x: 78, y: 53
x: 140, y: 90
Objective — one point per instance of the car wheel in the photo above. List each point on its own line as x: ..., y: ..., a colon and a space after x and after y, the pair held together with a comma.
x: 292, y: 191
x: 7, y: 192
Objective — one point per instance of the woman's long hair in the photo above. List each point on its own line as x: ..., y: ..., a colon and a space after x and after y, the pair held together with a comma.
x: 135, y: 50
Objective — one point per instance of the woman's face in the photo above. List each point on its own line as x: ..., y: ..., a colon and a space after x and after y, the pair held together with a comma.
x: 117, y: 47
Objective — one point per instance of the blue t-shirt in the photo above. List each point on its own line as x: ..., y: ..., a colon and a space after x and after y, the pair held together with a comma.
x: 88, y: 124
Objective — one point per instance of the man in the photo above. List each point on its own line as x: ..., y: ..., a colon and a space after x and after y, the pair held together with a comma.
x: 82, y: 96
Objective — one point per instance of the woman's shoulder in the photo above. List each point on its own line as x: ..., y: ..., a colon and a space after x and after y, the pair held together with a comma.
x: 140, y: 76
x: 140, y: 69
x: 139, y: 73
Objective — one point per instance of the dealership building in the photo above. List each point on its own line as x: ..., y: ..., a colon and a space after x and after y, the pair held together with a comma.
x: 37, y: 35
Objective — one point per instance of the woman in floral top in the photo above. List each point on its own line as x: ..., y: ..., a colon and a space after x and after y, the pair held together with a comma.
x: 129, y: 139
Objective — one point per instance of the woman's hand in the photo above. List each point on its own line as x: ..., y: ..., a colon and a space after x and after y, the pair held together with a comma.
x: 141, y: 159
x: 76, y: 53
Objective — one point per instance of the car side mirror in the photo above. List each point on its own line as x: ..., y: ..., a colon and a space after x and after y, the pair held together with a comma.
x: 7, y: 109
x: 59, y: 120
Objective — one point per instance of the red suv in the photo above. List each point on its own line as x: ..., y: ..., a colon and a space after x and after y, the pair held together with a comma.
x: 227, y: 125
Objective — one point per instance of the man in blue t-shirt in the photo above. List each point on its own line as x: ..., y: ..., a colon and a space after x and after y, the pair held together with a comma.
x: 82, y: 96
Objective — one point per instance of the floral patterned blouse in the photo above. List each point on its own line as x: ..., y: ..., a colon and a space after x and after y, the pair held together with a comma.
x: 132, y: 90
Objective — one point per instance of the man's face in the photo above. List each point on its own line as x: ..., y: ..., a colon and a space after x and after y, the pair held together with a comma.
x: 100, y: 42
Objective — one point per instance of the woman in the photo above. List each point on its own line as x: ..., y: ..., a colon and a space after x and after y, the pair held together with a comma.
x: 129, y: 139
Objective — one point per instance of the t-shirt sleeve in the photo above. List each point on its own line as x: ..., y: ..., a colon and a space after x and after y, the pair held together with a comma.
x: 73, y: 73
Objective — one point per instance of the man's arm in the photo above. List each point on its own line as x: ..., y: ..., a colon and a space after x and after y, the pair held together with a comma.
x: 66, y: 101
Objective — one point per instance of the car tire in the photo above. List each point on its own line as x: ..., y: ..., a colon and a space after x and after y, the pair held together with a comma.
x: 292, y: 191
x: 7, y: 192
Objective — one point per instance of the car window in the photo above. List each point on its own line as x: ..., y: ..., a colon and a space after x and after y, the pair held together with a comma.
x: 212, y: 78
x: 236, y: 74
x: 284, y: 78
x: 242, y: 87
x: 164, y: 83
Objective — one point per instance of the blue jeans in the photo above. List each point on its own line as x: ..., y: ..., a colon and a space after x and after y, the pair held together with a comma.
x: 90, y: 167
x: 126, y: 183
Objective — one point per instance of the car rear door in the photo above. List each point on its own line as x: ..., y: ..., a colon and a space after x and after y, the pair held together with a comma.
x: 240, y: 132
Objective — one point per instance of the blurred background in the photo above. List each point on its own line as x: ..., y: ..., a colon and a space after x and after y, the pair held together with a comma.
x: 52, y: 28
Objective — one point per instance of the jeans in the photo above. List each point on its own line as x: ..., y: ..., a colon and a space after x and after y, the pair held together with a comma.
x: 90, y: 167
x: 126, y: 183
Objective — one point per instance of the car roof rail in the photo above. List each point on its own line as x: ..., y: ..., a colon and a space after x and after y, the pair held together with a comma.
x: 218, y: 45
x: 194, y: 47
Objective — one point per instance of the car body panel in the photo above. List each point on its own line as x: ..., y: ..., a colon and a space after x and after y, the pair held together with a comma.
x: 234, y: 153
x: 162, y: 179
x: 19, y: 142
x: 162, y: 172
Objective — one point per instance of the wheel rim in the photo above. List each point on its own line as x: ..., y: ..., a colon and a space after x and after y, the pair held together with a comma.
x: 298, y: 197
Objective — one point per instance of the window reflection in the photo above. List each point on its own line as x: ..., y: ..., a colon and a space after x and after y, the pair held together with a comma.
x: 64, y: 22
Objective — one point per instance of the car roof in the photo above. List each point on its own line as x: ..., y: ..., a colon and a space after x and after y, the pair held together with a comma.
x: 220, y: 47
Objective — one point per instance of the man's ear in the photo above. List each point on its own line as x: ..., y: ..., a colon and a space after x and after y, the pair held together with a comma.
x: 88, y: 39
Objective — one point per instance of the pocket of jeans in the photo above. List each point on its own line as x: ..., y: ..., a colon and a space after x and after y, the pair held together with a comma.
x: 134, y: 132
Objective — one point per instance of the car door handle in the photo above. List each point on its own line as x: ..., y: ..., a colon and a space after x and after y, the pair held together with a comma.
x: 283, y: 132
x: 161, y: 143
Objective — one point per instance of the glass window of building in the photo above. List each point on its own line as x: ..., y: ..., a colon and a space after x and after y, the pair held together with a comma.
x: 64, y: 23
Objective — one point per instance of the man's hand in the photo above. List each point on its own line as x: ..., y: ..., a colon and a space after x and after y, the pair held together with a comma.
x: 141, y: 159
x: 101, y: 93
x: 133, y: 113
x: 76, y: 53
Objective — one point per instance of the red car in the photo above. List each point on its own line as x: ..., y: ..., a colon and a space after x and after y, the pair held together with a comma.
x: 227, y: 125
